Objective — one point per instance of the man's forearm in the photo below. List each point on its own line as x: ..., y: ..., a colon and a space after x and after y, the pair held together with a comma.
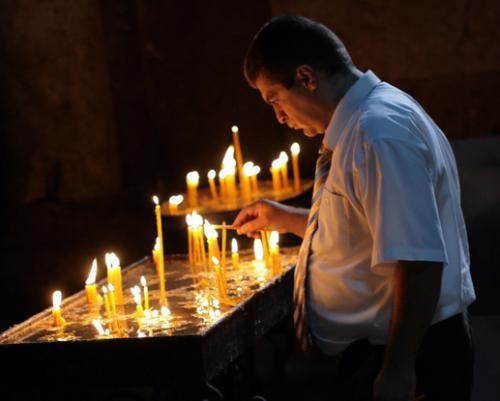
x: 416, y: 292
x: 297, y: 220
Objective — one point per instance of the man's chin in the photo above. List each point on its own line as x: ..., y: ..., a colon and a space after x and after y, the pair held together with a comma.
x: 310, y: 132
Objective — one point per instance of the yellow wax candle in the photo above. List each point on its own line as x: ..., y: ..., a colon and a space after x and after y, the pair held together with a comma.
x: 211, y: 235
x: 237, y: 148
x: 173, y: 202
x: 258, y: 251
x: 161, y: 255
x: 284, y: 169
x: 112, y: 299
x: 222, y: 184
x: 221, y: 285
x: 115, y: 275
x: 224, y: 239
x: 57, y: 319
x: 156, y: 253
x: 189, y: 219
x: 136, y: 292
x: 192, y: 180
x: 235, y: 257
x: 145, y: 290
x: 265, y: 247
x: 275, y: 172
x: 106, y: 302
x: 246, y: 188
x: 211, y: 181
x: 253, y: 180
x: 90, y: 287
x: 275, y: 252
x: 229, y: 166
x: 295, y: 150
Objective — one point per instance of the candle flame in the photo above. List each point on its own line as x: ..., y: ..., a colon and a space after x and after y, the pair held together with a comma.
x: 276, y: 164
x: 189, y: 220
x: 283, y: 157
x: 248, y: 168
x: 136, y: 292
x: 111, y: 260
x: 258, y: 250
x: 211, y: 174
x: 274, y: 238
x: 104, y: 289
x: 97, y: 324
x: 92, y: 274
x: 255, y: 170
x: 154, y: 314
x: 111, y: 287
x: 144, y: 283
x: 56, y: 299
x: 197, y: 220
x: 215, y: 261
x: 165, y: 311
x: 157, y: 244
x: 229, y: 162
x: 234, y: 128
x: 295, y: 148
x: 234, y: 246
x: 176, y: 200
x: 209, y: 230
x: 156, y: 200
x: 193, y: 177
x: 222, y: 174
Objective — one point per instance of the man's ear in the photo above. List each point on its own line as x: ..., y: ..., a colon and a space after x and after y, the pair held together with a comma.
x: 305, y: 76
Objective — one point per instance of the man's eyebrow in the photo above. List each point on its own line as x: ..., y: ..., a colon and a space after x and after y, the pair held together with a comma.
x: 269, y: 97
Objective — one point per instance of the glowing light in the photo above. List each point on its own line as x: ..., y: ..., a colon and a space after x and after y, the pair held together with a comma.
x: 193, y: 177
x: 144, y: 283
x: 176, y: 200
x: 136, y: 292
x: 234, y: 245
x: 93, y: 273
x: 255, y: 170
x: 157, y: 244
x: 211, y: 174
x: 209, y: 230
x: 111, y: 260
x: 56, y: 299
x: 248, y: 169
x: 165, y: 311
x: 258, y: 250
x: 215, y: 261
x: 100, y: 330
x: 277, y: 163
x: 274, y: 238
x: 229, y: 162
x: 283, y: 157
x: 197, y: 220
x: 156, y: 200
x: 295, y: 148
x: 234, y: 128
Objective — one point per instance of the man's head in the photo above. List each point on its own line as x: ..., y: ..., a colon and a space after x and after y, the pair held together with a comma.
x: 288, y: 60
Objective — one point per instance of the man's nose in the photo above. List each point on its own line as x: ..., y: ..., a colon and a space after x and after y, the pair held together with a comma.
x: 280, y: 115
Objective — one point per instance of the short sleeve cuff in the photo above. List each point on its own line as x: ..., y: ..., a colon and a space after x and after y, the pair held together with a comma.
x: 383, y: 262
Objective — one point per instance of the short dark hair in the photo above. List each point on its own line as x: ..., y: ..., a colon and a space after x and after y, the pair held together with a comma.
x: 287, y: 41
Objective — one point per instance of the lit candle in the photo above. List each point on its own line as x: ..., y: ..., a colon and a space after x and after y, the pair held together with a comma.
x: 161, y: 257
x: 237, y: 147
x: 284, y: 169
x: 258, y: 252
x: 106, y: 302
x: 100, y: 330
x: 112, y: 299
x: 115, y: 275
x: 245, y: 184
x: 235, y: 257
x: 57, y: 319
x: 90, y: 287
x: 136, y: 292
x: 213, y: 245
x: 211, y: 181
x: 192, y: 180
x: 156, y: 254
x: 253, y: 179
x: 274, y: 249
x: 173, y: 203
x: 145, y: 290
x: 199, y: 247
x: 275, y: 172
x: 229, y: 166
x: 221, y: 284
x: 222, y: 184
x: 190, y: 238
x: 295, y: 150
x: 265, y: 247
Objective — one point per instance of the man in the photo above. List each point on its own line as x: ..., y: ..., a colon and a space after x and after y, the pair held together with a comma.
x: 383, y: 272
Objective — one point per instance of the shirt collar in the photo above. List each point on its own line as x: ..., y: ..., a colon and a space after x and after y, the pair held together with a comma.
x: 348, y: 105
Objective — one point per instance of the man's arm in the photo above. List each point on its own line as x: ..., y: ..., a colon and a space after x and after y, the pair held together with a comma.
x: 416, y: 289
x: 266, y: 214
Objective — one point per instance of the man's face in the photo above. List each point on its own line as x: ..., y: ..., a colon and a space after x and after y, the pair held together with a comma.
x: 293, y: 106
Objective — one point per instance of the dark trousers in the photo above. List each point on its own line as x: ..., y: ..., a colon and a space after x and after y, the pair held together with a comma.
x: 444, y: 365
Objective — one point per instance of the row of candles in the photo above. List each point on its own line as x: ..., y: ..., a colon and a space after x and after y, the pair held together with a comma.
x: 209, y: 259
x: 233, y: 164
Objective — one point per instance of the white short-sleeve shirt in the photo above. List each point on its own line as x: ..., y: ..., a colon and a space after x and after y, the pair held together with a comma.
x: 392, y: 194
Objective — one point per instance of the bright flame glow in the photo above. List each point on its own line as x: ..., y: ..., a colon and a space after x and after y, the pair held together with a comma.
x: 222, y: 174
x: 255, y: 170
x: 197, y: 220
x: 189, y: 220
x: 283, y: 157
x: 111, y: 260
x: 258, y: 250
x: 211, y: 174
x: 215, y: 261
x: 104, y: 289
x: 157, y: 244
x: 234, y: 245
x: 295, y: 148
x: 210, y: 231
x: 165, y: 311
x: 234, y: 128
x: 136, y: 292
x: 144, y: 283
x: 140, y: 333
x: 156, y: 200
x: 193, y: 177
x: 111, y: 288
x: 248, y: 168
x: 176, y: 200
x: 274, y: 238
x: 97, y: 324
x: 229, y: 162
x: 277, y: 163
x: 154, y: 314
x: 56, y: 299
x: 92, y: 274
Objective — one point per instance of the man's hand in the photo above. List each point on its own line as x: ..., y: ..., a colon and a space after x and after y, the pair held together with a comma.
x: 395, y: 385
x: 269, y: 215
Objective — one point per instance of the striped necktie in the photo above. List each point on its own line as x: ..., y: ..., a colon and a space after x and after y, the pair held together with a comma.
x: 300, y: 284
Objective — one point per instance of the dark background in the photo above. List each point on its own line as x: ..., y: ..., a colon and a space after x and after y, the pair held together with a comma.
x: 103, y: 103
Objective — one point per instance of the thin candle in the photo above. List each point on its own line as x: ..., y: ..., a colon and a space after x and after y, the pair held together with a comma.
x: 237, y: 147
x: 211, y: 181
x: 284, y: 169
x: 235, y: 257
x: 224, y: 239
x: 161, y: 257
x: 136, y: 292
x: 192, y: 180
x: 295, y: 150
x: 115, y: 275
x: 145, y: 290
x: 106, y: 302
x: 173, y: 203
x: 275, y: 172
x: 275, y: 252
x: 90, y: 287
x: 57, y: 319
x: 190, y: 238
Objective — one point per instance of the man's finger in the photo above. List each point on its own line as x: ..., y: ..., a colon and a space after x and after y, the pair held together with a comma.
x: 247, y: 213
x: 251, y: 227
